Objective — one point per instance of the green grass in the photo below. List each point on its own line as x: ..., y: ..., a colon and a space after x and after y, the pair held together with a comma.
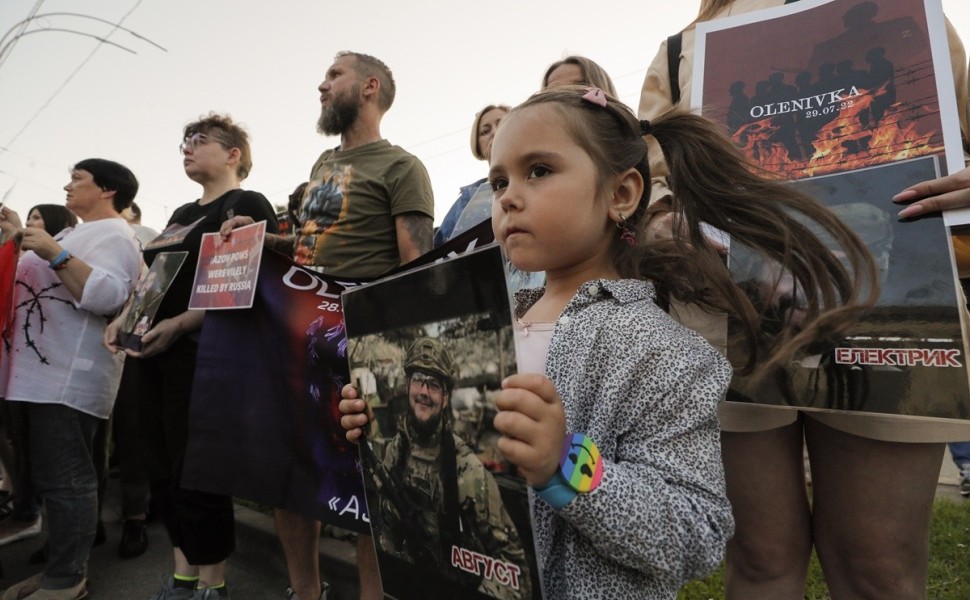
x: 949, y: 575
x: 949, y: 569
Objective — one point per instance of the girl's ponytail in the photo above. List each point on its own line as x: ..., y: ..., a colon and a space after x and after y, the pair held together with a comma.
x: 777, y: 228
x: 770, y: 224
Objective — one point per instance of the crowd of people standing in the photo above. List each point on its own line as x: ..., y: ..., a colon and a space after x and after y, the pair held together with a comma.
x: 608, y: 207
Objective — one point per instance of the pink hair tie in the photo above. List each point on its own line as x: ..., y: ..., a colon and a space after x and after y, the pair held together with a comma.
x: 596, y: 96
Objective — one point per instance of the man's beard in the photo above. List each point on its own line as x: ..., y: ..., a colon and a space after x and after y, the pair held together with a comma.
x: 340, y: 115
x: 425, y: 429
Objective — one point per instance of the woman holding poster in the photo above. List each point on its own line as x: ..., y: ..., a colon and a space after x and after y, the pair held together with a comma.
x: 871, y: 542
x: 55, y: 371
x: 216, y: 155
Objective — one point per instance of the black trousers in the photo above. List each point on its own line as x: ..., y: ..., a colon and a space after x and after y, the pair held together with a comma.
x: 200, y: 524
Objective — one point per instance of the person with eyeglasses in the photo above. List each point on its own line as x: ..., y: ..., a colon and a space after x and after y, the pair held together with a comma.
x: 435, y: 493
x: 200, y: 525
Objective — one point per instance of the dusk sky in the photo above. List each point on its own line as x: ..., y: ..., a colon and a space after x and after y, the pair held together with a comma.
x: 67, y: 96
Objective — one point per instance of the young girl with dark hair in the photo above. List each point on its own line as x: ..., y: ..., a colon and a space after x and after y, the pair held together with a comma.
x: 604, y: 371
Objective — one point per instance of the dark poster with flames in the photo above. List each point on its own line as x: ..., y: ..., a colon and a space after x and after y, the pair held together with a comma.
x: 851, y: 100
x: 833, y: 87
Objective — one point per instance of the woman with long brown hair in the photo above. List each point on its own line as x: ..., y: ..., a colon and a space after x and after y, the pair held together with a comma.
x: 870, y: 543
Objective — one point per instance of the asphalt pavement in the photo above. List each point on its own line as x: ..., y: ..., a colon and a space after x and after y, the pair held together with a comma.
x: 256, y: 570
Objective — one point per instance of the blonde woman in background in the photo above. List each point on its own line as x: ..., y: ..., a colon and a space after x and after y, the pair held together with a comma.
x: 578, y: 70
x: 483, y: 130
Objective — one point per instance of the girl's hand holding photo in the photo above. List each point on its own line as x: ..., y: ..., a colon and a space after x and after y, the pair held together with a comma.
x: 533, y: 424
x: 354, y: 411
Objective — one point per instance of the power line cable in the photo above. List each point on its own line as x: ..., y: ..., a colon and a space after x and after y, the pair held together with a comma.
x: 93, y: 18
x: 23, y: 25
x: 70, y: 77
x: 32, y: 158
x: 30, y: 181
x: 33, y: 18
x: 61, y: 30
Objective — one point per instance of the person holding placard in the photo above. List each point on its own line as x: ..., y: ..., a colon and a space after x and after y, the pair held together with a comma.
x: 55, y: 369
x: 217, y: 156
x: 860, y: 532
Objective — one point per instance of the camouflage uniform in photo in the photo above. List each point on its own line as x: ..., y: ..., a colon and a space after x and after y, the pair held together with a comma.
x: 436, y: 494
x: 485, y: 525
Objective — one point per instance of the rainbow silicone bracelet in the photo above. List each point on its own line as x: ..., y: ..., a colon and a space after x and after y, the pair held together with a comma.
x: 580, y: 463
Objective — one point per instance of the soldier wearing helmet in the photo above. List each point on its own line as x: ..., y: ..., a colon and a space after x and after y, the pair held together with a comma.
x: 435, y: 495
x: 430, y: 379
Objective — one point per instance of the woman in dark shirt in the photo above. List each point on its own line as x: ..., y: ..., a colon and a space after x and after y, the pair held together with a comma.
x: 200, y: 525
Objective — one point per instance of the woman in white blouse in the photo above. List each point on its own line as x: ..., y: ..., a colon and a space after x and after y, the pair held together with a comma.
x: 67, y: 288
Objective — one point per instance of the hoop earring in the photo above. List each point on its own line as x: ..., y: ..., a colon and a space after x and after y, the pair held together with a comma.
x: 627, y: 234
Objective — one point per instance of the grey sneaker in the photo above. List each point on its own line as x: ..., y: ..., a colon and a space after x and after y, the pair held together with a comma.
x: 965, y: 479
x: 170, y: 592
x: 324, y: 588
x: 13, y: 530
x: 208, y: 594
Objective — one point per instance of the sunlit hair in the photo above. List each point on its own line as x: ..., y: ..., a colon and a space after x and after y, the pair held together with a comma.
x: 709, y: 9
x: 593, y: 74
x: 368, y: 66
x: 476, y: 149
x: 56, y: 217
x: 224, y: 130
x: 712, y: 183
x: 111, y: 177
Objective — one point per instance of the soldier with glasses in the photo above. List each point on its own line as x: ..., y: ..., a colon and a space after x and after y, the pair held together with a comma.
x: 435, y: 493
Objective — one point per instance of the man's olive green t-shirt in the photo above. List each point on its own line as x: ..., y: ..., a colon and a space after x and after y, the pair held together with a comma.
x: 348, y: 210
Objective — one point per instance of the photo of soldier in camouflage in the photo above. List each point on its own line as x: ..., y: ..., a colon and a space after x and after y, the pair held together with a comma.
x: 437, y: 508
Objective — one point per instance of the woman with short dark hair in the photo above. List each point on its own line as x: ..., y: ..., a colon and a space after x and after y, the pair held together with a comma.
x: 56, y: 371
